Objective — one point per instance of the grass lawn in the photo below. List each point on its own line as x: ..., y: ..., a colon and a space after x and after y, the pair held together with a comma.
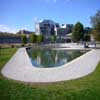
x: 87, y: 88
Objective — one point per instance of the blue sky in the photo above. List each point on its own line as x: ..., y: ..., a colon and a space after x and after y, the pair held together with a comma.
x: 22, y: 14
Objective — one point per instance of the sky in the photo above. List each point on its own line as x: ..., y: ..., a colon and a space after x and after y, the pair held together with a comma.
x: 23, y: 14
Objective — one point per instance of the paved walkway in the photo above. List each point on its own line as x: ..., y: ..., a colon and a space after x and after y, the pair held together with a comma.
x: 20, y: 68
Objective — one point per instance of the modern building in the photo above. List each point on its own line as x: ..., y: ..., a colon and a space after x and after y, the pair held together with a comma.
x: 49, y: 27
x: 64, y: 30
x: 46, y: 28
x: 67, y: 28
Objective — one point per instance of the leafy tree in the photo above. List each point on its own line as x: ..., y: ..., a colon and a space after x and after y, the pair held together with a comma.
x: 53, y: 38
x: 24, y: 39
x: 95, y: 21
x: 78, y: 32
x: 39, y: 38
x: 87, y: 37
x: 33, y: 38
x: 96, y: 32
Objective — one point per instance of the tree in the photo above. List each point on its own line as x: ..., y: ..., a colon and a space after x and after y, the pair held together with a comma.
x: 96, y: 32
x: 53, y: 38
x: 24, y: 39
x: 78, y: 32
x: 95, y: 21
x: 33, y: 38
x: 39, y: 38
x: 87, y: 37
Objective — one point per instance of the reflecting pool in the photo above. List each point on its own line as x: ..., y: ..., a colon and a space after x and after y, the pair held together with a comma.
x: 45, y: 58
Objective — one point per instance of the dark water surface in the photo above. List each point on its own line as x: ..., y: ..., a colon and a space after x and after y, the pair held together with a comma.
x: 45, y: 58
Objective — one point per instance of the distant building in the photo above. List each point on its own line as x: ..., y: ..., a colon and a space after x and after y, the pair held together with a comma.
x: 57, y: 27
x: 37, y: 29
x: 27, y: 33
x: 46, y: 28
x: 13, y: 38
x: 9, y: 38
x: 65, y: 29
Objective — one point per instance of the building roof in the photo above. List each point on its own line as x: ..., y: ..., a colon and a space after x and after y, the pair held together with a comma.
x: 48, y: 21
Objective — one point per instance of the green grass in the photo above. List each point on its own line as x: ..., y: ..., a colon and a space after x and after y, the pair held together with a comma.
x: 87, y: 88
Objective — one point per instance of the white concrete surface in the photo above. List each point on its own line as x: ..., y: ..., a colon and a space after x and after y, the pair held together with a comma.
x: 20, y: 68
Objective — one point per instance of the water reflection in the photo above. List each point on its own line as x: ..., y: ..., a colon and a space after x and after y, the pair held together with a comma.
x: 52, y: 58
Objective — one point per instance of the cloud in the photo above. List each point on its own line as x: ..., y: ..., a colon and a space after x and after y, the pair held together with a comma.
x: 5, y: 28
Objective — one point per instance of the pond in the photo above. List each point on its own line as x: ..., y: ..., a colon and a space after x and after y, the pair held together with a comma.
x: 46, y: 58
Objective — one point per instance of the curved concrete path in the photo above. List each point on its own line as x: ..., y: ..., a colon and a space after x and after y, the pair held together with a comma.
x: 20, y: 68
